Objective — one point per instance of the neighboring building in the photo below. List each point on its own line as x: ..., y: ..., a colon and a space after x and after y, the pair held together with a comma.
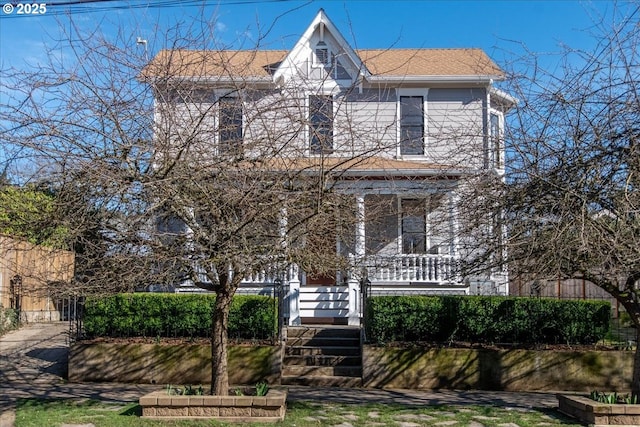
x: 33, y: 278
x: 420, y: 122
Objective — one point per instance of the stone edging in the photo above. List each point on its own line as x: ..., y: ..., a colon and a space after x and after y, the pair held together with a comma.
x: 269, y: 408
x: 595, y: 413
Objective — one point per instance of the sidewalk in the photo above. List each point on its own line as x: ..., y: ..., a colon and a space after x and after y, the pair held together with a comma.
x: 33, y: 364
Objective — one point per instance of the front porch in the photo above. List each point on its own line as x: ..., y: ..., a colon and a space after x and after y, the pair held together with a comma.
x: 342, y: 300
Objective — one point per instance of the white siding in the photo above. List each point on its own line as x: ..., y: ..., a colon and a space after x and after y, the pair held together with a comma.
x: 456, y: 126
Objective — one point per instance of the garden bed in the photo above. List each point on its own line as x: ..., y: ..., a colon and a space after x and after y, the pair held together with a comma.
x: 597, y: 414
x: 269, y: 408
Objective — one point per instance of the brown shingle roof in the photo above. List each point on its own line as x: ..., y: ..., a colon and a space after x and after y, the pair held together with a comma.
x: 429, y: 62
x: 261, y: 63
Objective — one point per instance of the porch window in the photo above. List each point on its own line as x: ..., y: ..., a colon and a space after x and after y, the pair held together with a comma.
x: 320, y: 124
x: 230, y: 125
x: 411, y: 125
x: 414, y: 226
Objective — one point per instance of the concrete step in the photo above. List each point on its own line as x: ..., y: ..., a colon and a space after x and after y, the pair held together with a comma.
x: 322, y: 371
x: 324, y: 331
x: 321, y: 351
x: 322, y: 360
x: 321, y: 341
x: 322, y: 356
x: 322, y: 381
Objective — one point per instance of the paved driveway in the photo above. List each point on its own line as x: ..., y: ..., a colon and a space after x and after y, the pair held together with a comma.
x: 35, y: 353
x: 33, y: 364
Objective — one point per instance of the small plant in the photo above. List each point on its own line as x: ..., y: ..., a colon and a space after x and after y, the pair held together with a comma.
x: 613, y: 398
x: 262, y: 388
x: 188, y: 390
x: 238, y: 392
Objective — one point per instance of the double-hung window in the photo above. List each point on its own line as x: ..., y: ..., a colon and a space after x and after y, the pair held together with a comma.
x: 230, y: 125
x: 320, y: 124
x: 414, y: 226
x: 412, y: 125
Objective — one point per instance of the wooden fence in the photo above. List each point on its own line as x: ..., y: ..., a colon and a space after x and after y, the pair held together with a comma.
x: 34, y: 279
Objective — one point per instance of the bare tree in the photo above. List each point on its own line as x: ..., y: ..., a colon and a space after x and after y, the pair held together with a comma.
x: 165, y: 180
x: 571, y: 199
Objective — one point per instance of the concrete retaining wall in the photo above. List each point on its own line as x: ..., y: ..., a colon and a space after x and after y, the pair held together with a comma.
x: 169, y: 364
x: 411, y: 368
x: 484, y: 369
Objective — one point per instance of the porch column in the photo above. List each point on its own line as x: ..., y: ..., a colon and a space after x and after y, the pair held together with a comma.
x: 294, y: 297
x: 353, y: 318
x: 283, y: 223
x: 454, y: 226
x: 360, y: 228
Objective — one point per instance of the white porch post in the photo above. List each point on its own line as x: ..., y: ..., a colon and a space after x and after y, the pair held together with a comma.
x: 353, y: 283
x: 294, y: 297
x: 354, y: 302
x: 454, y: 226
x: 360, y: 228
x: 283, y: 223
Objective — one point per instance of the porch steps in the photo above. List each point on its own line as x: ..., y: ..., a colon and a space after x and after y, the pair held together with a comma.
x: 322, y: 356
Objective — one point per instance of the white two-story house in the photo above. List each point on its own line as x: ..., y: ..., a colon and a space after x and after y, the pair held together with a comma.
x: 408, y: 124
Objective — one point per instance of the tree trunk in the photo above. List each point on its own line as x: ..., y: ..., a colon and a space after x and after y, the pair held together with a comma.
x: 219, y: 325
x: 635, y: 381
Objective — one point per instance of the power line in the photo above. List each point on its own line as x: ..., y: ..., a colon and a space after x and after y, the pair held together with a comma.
x: 75, y: 7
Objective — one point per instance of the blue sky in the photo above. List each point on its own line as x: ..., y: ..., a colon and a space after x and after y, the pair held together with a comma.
x: 498, y: 27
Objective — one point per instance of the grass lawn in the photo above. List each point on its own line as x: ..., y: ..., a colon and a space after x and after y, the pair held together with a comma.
x: 38, y: 413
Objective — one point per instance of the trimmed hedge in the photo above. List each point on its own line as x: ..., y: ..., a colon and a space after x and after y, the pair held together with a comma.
x: 482, y: 319
x: 174, y: 315
x: 8, y: 319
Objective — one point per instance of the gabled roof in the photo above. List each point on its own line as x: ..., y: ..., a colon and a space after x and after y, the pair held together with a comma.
x: 396, y: 63
x: 321, y: 19
x: 373, y: 64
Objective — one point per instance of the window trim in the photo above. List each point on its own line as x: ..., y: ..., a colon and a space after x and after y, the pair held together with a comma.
x: 424, y: 93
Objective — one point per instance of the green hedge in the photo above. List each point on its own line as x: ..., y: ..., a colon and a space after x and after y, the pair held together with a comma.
x: 8, y: 319
x: 480, y: 319
x: 174, y: 315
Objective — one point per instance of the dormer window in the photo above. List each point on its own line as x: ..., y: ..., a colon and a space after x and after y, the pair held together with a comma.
x: 322, y: 55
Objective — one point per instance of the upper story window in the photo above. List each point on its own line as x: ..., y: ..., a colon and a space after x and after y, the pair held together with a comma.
x: 496, y: 146
x: 411, y: 125
x: 230, y: 125
x: 320, y: 124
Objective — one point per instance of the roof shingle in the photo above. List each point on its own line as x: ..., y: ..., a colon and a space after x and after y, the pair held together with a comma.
x: 261, y: 63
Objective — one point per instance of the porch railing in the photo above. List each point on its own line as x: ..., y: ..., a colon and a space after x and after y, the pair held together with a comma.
x: 412, y: 268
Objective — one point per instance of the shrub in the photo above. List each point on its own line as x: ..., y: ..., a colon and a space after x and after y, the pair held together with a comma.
x: 175, y: 315
x: 8, y: 319
x: 484, y: 319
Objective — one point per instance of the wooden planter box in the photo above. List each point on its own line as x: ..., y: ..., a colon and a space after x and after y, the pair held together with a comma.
x: 269, y: 408
x: 597, y: 414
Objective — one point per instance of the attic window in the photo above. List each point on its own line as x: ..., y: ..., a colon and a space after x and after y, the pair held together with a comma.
x: 322, y: 55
